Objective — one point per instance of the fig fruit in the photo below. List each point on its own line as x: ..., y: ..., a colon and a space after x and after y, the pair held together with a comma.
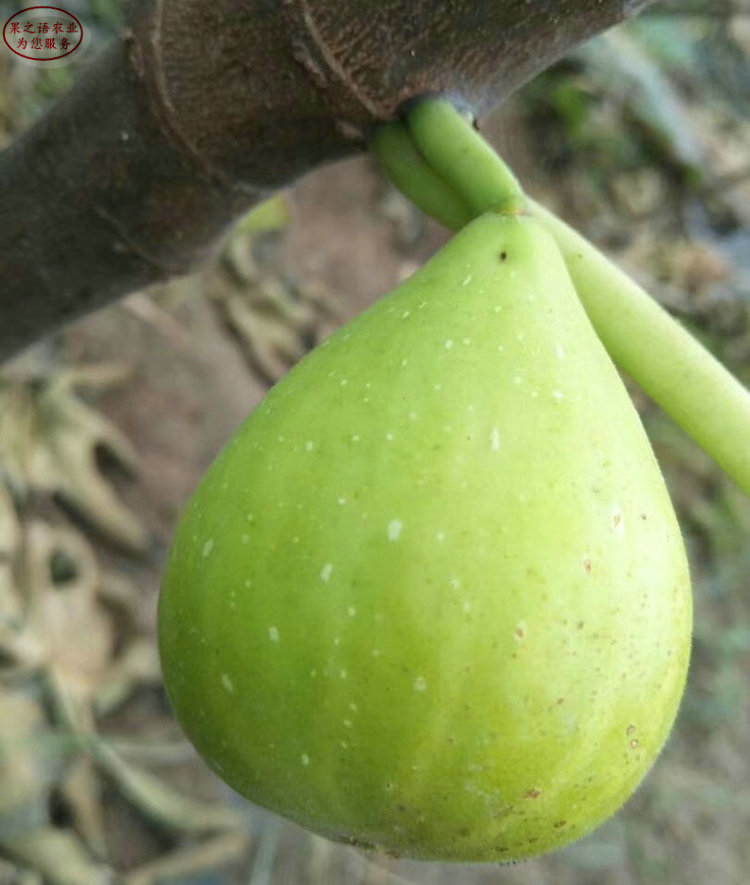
x: 433, y: 596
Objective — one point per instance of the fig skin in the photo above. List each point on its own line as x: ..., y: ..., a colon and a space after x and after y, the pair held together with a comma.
x: 432, y: 596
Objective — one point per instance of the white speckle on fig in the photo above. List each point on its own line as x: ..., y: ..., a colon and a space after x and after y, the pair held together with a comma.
x: 208, y: 546
x: 304, y: 759
x: 227, y: 682
x: 420, y: 684
x: 394, y: 529
x: 495, y: 439
x: 325, y: 572
x: 273, y: 634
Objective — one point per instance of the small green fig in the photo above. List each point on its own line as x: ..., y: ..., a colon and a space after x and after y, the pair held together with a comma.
x: 432, y: 596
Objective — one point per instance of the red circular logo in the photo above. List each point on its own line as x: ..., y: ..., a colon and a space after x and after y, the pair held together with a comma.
x: 43, y: 33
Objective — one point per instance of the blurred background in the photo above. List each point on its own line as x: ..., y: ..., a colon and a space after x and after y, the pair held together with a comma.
x: 642, y: 140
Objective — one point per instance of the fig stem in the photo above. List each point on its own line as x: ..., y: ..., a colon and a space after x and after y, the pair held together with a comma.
x: 408, y: 170
x: 642, y: 339
x: 462, y: 158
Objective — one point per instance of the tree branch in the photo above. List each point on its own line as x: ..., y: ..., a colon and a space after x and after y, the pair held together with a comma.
x: 203, y: 107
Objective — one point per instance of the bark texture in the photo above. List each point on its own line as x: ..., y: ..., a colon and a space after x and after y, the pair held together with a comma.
x: 203, y: 107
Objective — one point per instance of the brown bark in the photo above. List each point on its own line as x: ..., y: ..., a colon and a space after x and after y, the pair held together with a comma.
x: 203, y: 107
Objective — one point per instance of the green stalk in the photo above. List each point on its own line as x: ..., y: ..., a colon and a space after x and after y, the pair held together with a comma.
x: 671, y: 366
x: 407, y: 169
x: 461, y: 157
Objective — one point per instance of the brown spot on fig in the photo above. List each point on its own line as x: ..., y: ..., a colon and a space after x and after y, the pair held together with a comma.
x: 560, y: 823
x: 587, y: 565
x: 532, y: 794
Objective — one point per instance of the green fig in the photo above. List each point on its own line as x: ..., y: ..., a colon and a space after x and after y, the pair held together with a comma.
x: 432, y: 596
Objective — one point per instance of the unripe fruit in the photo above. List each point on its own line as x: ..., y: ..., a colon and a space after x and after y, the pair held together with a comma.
x: 433, y: 596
